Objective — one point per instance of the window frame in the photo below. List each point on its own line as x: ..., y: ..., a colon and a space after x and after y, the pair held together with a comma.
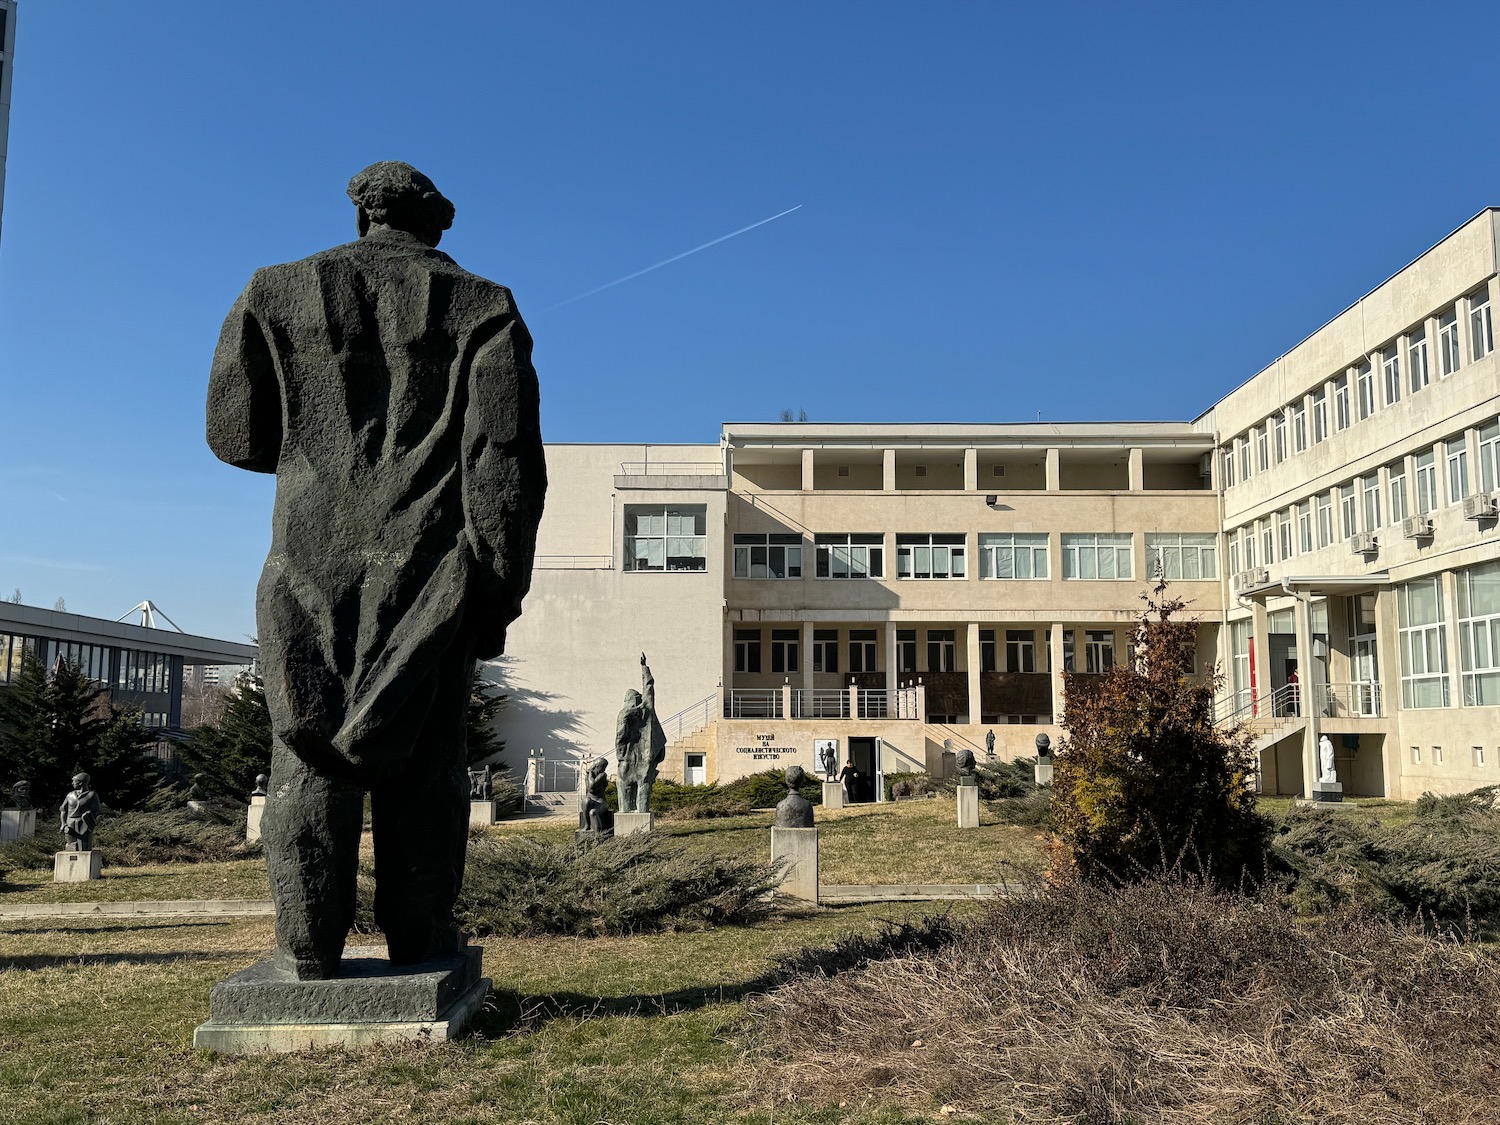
x: 631, y: 553
x: 745, y: 543
x: 868, y: 548
x: 992, y: 550
x: 1079, y: 545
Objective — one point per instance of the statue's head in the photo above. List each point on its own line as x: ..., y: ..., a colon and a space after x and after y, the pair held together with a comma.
x: 395, y: 195
x: 22, y: 793
x: 81, y: 782
x: 262, y: 780
x: 1043, y: 744
x: 598, y: 766
x: 632, y: 698
x: 795, y: 776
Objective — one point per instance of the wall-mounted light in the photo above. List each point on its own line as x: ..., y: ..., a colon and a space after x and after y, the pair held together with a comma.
x: 990, y: 500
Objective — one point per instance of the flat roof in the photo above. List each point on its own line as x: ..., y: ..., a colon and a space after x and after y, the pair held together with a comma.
x: 59, y: 625
x: 957, y: 434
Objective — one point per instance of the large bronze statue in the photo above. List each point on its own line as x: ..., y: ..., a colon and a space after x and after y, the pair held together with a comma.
x: 640, y: 744
x: 392, y: 394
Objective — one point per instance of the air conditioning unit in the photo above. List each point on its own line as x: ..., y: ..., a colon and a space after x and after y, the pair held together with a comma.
x: 1417, y: 527
x: 1481, y: 506
x: 1206, y: 465
x: 1363, y: 543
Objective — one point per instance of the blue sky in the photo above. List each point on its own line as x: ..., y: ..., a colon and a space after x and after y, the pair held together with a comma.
x: 1067, y: 211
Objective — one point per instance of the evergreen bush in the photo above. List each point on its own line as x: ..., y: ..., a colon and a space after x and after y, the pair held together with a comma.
x: 229, y: 753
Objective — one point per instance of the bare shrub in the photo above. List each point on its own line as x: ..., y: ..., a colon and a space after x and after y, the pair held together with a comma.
x: 1162, y: 1001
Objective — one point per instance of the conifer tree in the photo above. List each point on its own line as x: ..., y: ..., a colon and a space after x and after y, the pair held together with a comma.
x: 123, y: 770
x: 232, y: 751
x: 485, y: 706
x: 52, y: 724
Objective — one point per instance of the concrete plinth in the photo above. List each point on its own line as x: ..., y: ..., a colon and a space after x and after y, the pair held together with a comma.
x: 1330, y: 792
x: 629, y: 823
x: 264, y: 1008
x: 798, y: 848
x: 1044, y: 771
x: 76, y: 867
x: 833, y: 795
x: 968, y: 806
x: 252, y: 819
x: 17, y: 824
x: 483, y: 813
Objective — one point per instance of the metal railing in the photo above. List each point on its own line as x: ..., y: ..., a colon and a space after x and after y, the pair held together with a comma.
x: 573, y: 562
x: 1352, y: 700
x: 692, y: 718
x: 820, y: 703
x: 672, y: 468
x: 874, y: 703
x: 1241, y: 707
x: 753, y: 703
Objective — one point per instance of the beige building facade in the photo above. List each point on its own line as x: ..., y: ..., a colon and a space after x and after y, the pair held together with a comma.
x: 902, y: 591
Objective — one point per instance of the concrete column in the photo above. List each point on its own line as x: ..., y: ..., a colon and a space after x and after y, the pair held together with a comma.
x: 975, y: 694
x: 1055, y: 667
x: 1137, y: 469
x: 726, y: 682
x: 1302, y: 618
x: 806, y: 657
x: 971, y: 470
x: 888, y: 470
x: 1454, y: 651
x: 1471, y: 444
x: 1260, y: 655
x: 888, y: 630
x: 786, y: 699
x: 1054, y: 470
x: 807, y: 469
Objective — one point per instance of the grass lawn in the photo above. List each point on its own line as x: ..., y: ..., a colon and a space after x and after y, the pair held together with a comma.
x: 242, y: 878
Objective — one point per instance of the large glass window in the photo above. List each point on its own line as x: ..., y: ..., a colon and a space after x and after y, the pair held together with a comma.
x: 1341, y: 402
x: 1263, y: 447
x: 747, y: 650
x: 1426, y: 482
x: 1390, y: 367
x: 1424, y: 652
x: 1184, y: 556
x: 1364, y: 380
x: 1489, y: 457
x: 930, y: 556
x: 1370, y: 494
x: 1232, y: 546
x: 1457, y: 450
x: 1247, y: 541
x: 1479, y: 633
x: 906, y: 650
x: 862, y: 650
x: 1098, y: 650
x: 1481, y: 331
x: 1299, y: 426
x: 1304, y: 527
x: 1020, y: 650
x: 1097, y: 556
x: 144, y: 671
x: 1284, y: 533
x: 1320, y: 416
x: 1416, y: 360
x: 1346, y: 509
x: 1228, y: 463
x: 850, y: 555
x: 1325, y: 519
x: 13, y: 651
x: 784, y: 646
x: 1267, y: 542
x: 825, y: 652
x: 1448, y: 341
x: 1281, y: 446
x: 770, y: 555
x: 1242, y: 450
x: 942, y: 650
x: 1007, y: 555
x: 1396, y: 474
x: 662, y: 538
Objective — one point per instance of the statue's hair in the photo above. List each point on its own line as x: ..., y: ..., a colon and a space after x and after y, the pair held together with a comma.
x: 794, y: 776
x: 397, y: 195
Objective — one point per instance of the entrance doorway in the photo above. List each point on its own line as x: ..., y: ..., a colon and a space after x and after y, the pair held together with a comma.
x: 862, y: 754
x: 694, y: 769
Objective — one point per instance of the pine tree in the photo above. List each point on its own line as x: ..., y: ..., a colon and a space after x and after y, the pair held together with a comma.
x: 123, y: 770
x: 1144, y: 779
x: 52, y: 727
x: 484, y: 708
x: 232, y: 751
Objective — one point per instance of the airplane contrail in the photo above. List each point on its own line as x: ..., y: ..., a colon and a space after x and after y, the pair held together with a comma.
x: 669, y: 261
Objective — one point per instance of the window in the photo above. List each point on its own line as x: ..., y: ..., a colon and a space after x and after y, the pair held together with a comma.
x: 1097, y: 556
x: 825, y: 650
x: 1416, y: 360
x: 1478, y: 753
x: 862, y: 650
x: 148, y: 672
x: 1228, y: 467
x: 1341, y: 402
x: 1247, y: 539
x: 1181, y: 556
x: 1448, y: 341
x: 1304, y: 527
x: 1325, y: 519
x: 1424, y: 653
x: 1364, y: 380
x: 987, y: 650
x: 1396, y: 474
x: 1284, y: 532
x: 906, y: 650
x: 1098, y: 650
x: 1232, y: 541
x: 1242, y: 450
x: 850, y: 555
x: 1020, y: 650
x: 747, y: 650
x: 1299, y: 427
x: 1346, y: 509
x: 665, y: 538
x: 1489, y: 457
x: 942, y: 650
x: 1481, y: 331
x: 1006, y: 555
x: 767, y: 556
x: 930, y: 556
x: 1320, y: 416
x: 1416, y: 755
x: 1390, y: 366
x: 1457, y: 450
x: 1280, y: 423
x: 1437, y: 755
x: 1426, y: 482
x: 784, y: 650
x: 1267, y: 542
x: 1479, y: 634
x: 1370, y: 491
x: 1263, y: 447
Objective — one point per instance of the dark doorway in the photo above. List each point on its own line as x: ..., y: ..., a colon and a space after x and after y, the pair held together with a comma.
x: 862, y: 753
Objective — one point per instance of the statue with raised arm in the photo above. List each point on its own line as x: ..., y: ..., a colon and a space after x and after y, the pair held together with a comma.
x: 80, y: 813
x: 392, y: 394
x: 640, y: 744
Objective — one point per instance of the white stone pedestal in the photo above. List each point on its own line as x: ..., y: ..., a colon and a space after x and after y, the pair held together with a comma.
x: 17, y: 824
x: 833, y: 794
x: 76, y: 867
x: 798, y: 848
x: 968, y: 806
x: 629, y: 823
x: 252, y: 819
x: 1044, y: 771
x: 482, y: 813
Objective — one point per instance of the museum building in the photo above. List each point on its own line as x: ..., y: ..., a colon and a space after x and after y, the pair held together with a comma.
x: 901, y: 590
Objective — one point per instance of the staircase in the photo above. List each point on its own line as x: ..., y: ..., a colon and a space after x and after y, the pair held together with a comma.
x: 1268, y: 719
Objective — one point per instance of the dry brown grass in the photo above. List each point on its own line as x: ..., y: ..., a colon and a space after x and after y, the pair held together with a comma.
x: 1160, y: 1003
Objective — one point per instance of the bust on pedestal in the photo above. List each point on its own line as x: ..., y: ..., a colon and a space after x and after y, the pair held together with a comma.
x: 1043, y: 760
x: 257, y: 808
x: 19, y: 821
x: 78, y: 862
x: 794, y: 840
x: 967, y: 790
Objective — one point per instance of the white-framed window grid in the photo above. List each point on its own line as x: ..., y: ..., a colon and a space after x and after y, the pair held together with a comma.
x: 1479, y: 634
x: 1456, y: 450
x: 1320, y: 416
x: 1182, y: 556
x: 1416, y: 361
x: 1423, y: 643
x: 1489, y: 457
x: 666, y: 537
x: 767, y: 555
x: 931, y: 556
x: 1390, y: 367
x: 1013, y: 555
x: 1090, y: 555
x: 850, y: 554
x: 1481, y: 328
x: 1364, y: 381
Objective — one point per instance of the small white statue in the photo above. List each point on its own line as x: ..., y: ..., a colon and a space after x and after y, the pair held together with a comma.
x: 1325, y: 759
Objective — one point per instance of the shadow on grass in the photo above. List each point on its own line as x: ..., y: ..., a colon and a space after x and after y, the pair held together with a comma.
x: 64, y: 924
x: 87, y: 960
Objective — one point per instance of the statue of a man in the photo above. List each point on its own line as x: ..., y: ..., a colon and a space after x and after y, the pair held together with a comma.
x: 989, y: 743
x: 640, y: 744
x: 21, y: 792
x: 594, y: 814
x: 481, y: 784
x: 80, y: 812
x: 1326, y: 771
x: 795, y: 810
x: 392, y: 394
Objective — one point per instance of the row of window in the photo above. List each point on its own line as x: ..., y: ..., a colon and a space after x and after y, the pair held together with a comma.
x: 1356, y: 394
x: 137, y: 671
x: 1356, y: 504
x: 1003, y: 555
x: 1424, y: 639
x: 1479, y: 757
x: 1020, y: 650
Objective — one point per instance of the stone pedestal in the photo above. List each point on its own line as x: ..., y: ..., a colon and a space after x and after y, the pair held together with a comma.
x: 264, y: 1008
x: 1044, y: 771
x: 17, y: 824
x: 833, y: 795
x: 968, y: 806
x: 798, y: 849
x: 629, y: 823
x: 1328, y: 791
x: 252, y: 819
x: 483, y: 813
x: 76, y: 867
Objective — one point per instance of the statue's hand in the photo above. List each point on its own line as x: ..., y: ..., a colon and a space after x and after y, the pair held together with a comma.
x: 643, y: 659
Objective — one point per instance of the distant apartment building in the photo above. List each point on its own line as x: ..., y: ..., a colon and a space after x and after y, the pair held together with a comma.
x: 7, y: 56
x: 902, y: 590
